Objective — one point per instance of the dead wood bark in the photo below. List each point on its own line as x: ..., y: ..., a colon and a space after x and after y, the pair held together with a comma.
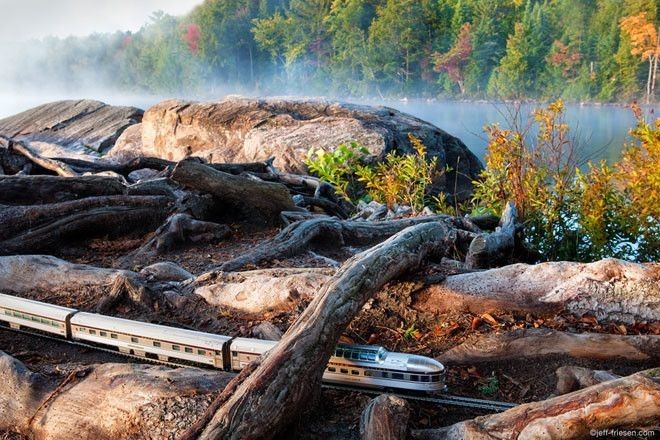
x: 385, y: 418
x: 255, y: 200
x: 632, y: 401
x: 544, y: 342
x: 36, y: 190
x: 570, y: 378
x: 37, y: 227
x: 260, y: 290
x: 281, y: 385
x: 61, y: 169
x: 119, y: 401
x: 610, y: 289
x: 299, y: 236
x: 488, y: 250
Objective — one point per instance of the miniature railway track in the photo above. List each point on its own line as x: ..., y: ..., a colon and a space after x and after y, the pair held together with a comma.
x: 443, y: 399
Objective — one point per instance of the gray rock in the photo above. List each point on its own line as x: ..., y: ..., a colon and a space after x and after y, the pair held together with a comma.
x: 267, y: 331
x: 166, y: 271
x: 70, y: 128
x: 142, y: 175
x: 243, y: 129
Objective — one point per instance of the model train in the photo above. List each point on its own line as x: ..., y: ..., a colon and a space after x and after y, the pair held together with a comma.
x: 356, y: 365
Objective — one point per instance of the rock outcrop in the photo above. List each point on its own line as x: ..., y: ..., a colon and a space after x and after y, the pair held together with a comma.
x: 243, y: 130
x: 70, y: 128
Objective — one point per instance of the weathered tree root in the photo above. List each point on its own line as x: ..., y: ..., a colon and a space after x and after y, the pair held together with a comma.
x: 544, y: 342
x: 298, y: 237
x: 488, y: 250
x: 385, y: 418
x: 264, y: 403
x: 59, y: 168
x: 610, y: 289
x: 632, y: 401
x: 32, y: 228
x: 36, y: 190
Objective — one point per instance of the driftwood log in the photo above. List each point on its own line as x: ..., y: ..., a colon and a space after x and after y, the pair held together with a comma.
x: 385, y: 418
x: 36, y: 190
x: 546, y: 342
x: 632, y: 401
x: 25, y: 229
x: 59, y: 168
x: 255, y: 200
x: 281, y: 384
x: 610, y: 289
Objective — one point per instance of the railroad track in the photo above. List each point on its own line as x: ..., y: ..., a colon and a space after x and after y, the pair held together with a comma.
x: 442, y: 399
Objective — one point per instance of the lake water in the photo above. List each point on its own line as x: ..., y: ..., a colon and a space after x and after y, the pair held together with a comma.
x: 600, y: 130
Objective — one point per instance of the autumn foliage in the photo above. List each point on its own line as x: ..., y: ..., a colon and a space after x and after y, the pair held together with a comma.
x: 191, y: 37
x: 454, y: 61
x: 645, y: 42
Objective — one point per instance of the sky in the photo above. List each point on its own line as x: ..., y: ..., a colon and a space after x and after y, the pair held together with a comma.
x: 26, y: 19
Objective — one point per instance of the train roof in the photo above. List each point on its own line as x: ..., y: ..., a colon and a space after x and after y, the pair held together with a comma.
x: 35, y: 307
x: 252, y: 345
x: 363, y: 353
x: 147, y: 330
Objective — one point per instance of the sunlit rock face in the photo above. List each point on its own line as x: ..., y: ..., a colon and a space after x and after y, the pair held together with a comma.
x: 71, y: 128
x: 240, y: 129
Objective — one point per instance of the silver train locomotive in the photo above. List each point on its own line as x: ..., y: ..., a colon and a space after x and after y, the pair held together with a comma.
x: 354, y: 365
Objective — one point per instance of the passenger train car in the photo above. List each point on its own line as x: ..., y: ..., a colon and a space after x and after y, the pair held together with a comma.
x: 356, y: 365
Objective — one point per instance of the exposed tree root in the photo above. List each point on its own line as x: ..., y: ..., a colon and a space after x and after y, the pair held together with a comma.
x: 385, y: 418
x: 632, y: 401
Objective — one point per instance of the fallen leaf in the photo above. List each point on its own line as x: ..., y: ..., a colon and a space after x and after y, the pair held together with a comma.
x: 489, y: 319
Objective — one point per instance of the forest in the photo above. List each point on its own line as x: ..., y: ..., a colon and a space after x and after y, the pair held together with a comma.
x: 577, y: 50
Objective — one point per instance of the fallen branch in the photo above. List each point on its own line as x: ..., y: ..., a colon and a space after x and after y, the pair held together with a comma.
x: 61, y: 169
x: 632, y: 401
x: 34, y: 190
x: 488, y: 250
x: 610, y: 289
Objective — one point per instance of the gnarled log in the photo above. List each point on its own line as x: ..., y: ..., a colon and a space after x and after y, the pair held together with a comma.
x: 609, y: 289
x: 281, y: 385
x: 385, y: 418
x: 36, y: 190
x: 544, y: 342
x: 255, y: 200
x: 298, y: 236
x: 632, y: 401
x: 36, y: 227
x: 570, y: 378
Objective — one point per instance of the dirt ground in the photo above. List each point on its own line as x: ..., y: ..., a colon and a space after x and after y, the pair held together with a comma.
x: 386, y: 320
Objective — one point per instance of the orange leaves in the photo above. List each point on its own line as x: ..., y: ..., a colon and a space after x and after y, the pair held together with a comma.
x: 643, y: 36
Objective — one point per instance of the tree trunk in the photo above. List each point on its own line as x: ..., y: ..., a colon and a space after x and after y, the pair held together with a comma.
x: 610, y: 289
x: 36, y: 190
x: 254, y: 200
x: 385, y: 418
x: 632, y: 401
x: 544, y: 342
x: 280, y: 387
x: 38, y: 227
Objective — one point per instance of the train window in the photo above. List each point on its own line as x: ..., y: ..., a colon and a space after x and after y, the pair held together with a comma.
x: 339, y: 352
x: 7, y: 312
x: 92, y: 332
x: 82, y: 329
x: 425, y: 378
x: 134, y: 339
x: 385, y: 374
x: 343, y: 370
x: 397, y: 376
x: 104, y: 334
x: 355, y: 355
x: 45, y: 321
x: 332, y: 369
x: 113, y: 336
x: 234, y: 353
x: 414, y: 378
x: 368, y: 373
x: 188, y: 349
x: 176, y: 348
x: 34, y: 318
x: 435, y: 378
x: 201, y: 352
x: 364, y: 356
x: 156, y: 344
x: 355, y: 372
